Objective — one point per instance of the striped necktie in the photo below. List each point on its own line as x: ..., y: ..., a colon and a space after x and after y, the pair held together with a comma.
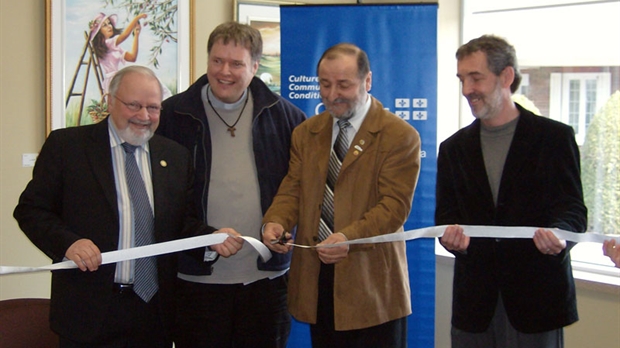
x: 145, y: 273
x: 341, y: 146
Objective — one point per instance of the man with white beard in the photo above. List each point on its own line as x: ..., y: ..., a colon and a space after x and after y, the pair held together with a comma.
x: 82, y: 201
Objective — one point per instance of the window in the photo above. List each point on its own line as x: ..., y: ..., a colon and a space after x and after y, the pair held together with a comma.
x: 524, y: 87
x: 576, y: 97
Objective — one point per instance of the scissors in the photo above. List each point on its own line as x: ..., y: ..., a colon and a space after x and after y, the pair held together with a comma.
x: 282, y: 240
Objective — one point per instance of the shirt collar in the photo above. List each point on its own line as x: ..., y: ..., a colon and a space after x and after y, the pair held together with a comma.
x: 208, y: 95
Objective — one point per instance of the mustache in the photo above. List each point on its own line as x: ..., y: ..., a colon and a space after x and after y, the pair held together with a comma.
x: 141, y: 123
x: 340, y: 100
x: 473, y: 96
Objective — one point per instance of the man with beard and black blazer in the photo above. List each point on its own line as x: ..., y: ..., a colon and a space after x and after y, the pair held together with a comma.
x: 510, y: 167
x: 78, y: 205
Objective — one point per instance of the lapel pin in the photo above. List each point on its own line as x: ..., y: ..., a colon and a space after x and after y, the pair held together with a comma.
x: 362, y: 142
x: 359, y: 148
x: 163, y: 163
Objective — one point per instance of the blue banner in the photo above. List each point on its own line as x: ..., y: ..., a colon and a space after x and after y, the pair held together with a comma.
x: 401, y: 43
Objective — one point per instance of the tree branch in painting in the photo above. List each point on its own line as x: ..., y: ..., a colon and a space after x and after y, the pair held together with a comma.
x: 162, y: 14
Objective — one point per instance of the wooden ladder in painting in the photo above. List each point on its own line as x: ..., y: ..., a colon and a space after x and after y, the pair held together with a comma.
x: 91, y: 61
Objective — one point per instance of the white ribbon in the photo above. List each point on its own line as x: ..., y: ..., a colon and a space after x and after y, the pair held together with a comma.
x: 217, y: 238
x: 146, y: 251
x: 474, y: 231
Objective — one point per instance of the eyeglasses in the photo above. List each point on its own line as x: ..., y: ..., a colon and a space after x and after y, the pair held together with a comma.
x: 135, y: 107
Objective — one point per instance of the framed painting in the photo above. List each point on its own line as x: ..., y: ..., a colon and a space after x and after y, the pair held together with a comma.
x: 88, y: 41
x: 264, y: 15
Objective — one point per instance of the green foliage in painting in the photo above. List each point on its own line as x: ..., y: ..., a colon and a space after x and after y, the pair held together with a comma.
x: 161, y: 15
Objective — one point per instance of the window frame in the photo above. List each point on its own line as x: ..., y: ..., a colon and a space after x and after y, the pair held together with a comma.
x: 559, y: 97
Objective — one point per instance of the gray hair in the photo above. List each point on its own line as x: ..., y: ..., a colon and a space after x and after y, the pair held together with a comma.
x: 500, y: 54
x: 137, y: 69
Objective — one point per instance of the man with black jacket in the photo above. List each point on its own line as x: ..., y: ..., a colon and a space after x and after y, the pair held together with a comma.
x: 239, y: 133
x: 510, y: 167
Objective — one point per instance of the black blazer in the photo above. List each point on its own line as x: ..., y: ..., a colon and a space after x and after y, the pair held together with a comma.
x: 540, y: 187
x: 72, y: 195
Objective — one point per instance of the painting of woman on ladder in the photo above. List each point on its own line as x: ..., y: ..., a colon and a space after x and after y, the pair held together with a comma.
x: 109, y: 37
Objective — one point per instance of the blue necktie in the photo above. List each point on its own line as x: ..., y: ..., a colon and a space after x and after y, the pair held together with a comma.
x: 145, y: 272
x: 341, y: 146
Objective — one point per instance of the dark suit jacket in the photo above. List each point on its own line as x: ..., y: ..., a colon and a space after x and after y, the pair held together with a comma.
x: 540, y: 187
x: 72, y: 195
x: 373, y: 196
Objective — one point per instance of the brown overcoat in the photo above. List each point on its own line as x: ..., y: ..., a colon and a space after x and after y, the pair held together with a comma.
x: 373, y: 196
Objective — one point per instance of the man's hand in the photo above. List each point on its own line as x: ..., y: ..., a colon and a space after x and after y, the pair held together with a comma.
x: 85, y: 254
x: 273, y: 234
x: 612, y: 250
x: 333, y: 254
x: 231, y: 245
x: 454, y: 239
x: 547, y: 243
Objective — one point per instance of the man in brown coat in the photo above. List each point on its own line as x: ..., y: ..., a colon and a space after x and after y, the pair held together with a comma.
x: 355, y: 296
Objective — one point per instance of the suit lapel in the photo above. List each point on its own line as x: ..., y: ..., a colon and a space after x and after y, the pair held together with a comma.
x: 320, y: 143
x: 473, y: 162
x: 160, y: 178
x: 157, y: 154
x: 523, y: 143
x: 99, y: 157
x: 365, y: 136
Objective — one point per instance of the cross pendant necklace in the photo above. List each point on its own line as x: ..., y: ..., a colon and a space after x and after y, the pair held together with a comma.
x: 231, y: 128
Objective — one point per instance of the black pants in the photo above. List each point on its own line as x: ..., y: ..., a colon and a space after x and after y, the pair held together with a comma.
x: 392, y: 334
x: 231, y: 316
x: 131, y: 323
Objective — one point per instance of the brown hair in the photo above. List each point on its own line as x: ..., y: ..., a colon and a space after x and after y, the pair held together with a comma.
x: 500, y: 54
x: 240, y: 34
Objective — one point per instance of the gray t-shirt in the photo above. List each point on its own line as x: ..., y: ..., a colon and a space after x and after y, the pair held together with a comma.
x: 234, y: 193
x: 495, y: 143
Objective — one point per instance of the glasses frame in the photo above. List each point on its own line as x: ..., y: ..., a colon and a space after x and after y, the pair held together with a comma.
x: 136, y: 107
